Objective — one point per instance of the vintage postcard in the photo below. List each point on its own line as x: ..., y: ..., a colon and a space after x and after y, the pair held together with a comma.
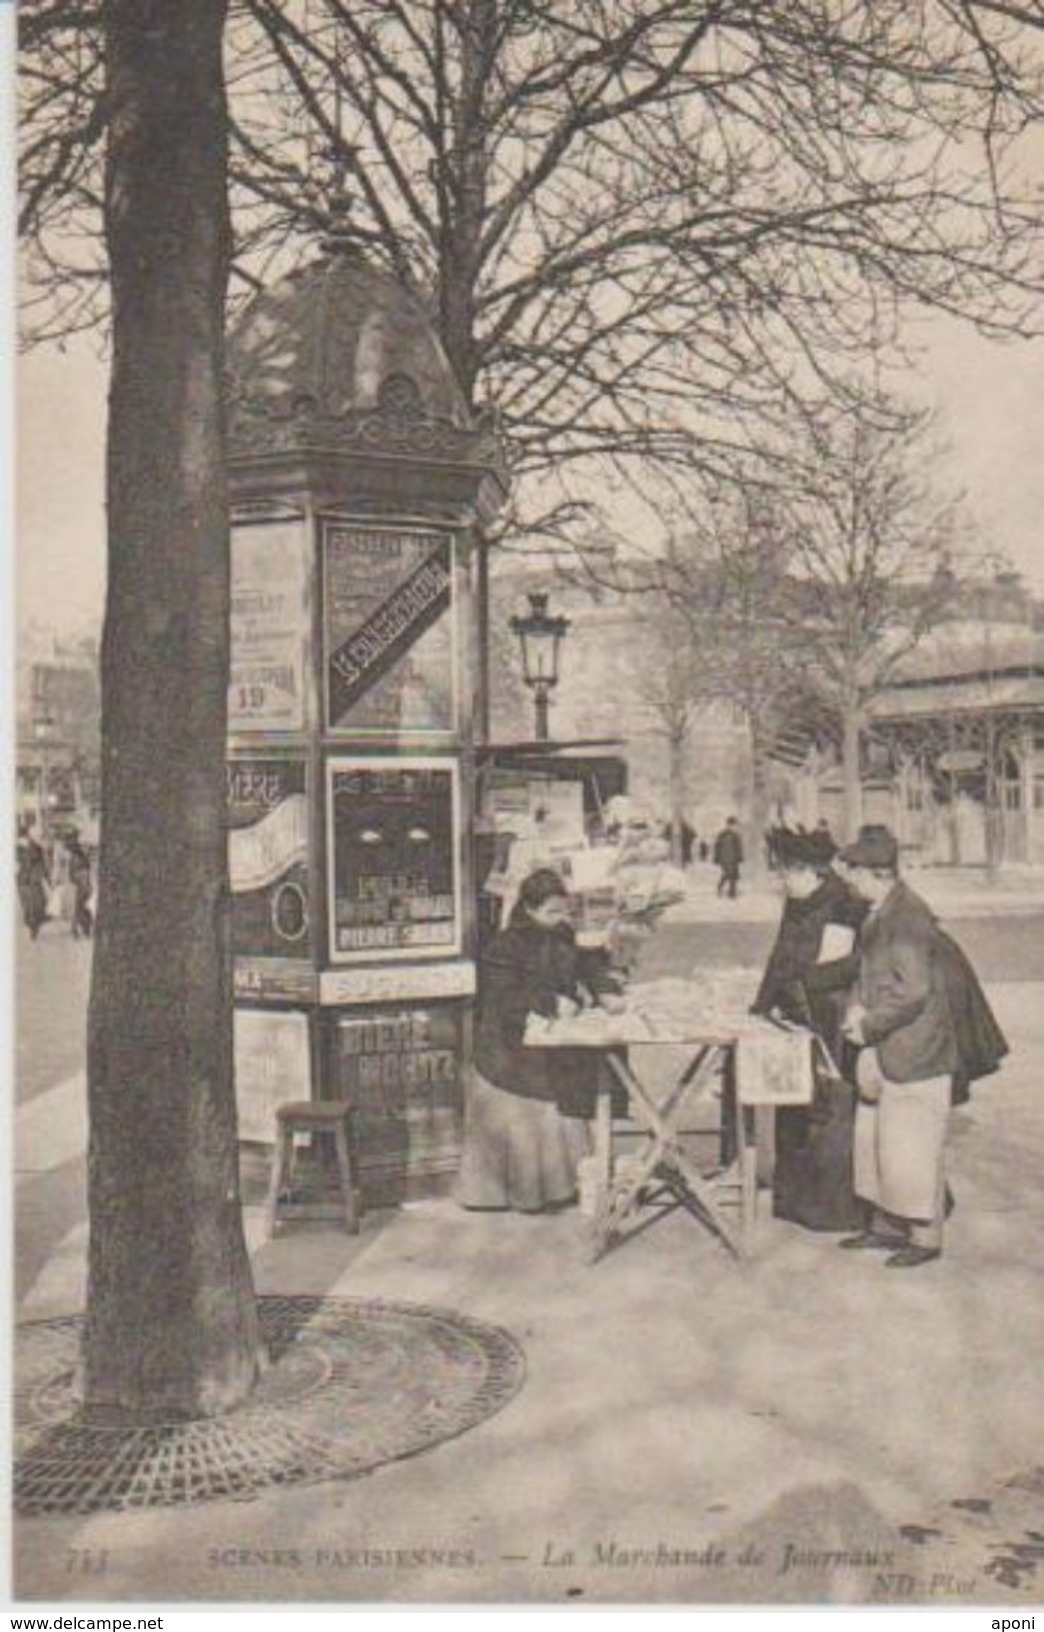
x: 529, y: 805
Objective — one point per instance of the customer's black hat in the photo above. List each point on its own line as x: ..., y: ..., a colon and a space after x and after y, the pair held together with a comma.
x: 876, y: 847
x: 803, y: 849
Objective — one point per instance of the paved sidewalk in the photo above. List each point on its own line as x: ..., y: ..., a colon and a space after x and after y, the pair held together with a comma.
x: 952, y: 892
x: 801, y: 1428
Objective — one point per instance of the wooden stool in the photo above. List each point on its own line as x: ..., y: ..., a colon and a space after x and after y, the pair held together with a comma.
x: 333, y: 1116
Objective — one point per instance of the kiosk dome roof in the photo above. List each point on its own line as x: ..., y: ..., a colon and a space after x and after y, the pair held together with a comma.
x: 337, y: 340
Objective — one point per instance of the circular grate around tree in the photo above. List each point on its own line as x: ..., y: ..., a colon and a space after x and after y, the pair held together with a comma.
x: 352, y: 1385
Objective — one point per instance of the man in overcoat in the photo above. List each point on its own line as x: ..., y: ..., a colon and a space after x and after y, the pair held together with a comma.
x: 728, y: 857
x: 901, y: 1020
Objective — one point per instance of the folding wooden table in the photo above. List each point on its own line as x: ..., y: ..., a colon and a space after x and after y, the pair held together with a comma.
x: 713, y: 1056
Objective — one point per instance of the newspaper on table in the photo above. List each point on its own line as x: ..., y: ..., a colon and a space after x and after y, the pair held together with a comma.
x: 773, y: 1062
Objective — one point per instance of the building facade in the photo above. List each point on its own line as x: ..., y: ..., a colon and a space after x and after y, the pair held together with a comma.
x: 953, y: 747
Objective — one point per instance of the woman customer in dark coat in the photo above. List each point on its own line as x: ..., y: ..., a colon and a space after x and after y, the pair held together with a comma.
x: 806, y: 981
x: 521, y: 1149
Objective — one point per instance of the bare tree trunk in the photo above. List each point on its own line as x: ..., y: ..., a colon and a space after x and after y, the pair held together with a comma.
x: 852, y: 782
x: 760, y: 813
x: 461, y: 260
x: 171, y: 1319
x: 676, y: 775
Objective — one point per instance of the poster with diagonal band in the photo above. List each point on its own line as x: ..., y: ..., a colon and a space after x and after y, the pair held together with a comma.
x: 388, y: 601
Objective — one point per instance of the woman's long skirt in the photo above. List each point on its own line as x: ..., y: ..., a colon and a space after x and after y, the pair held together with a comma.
x: 518, y: 1153
x: 812, y: 1181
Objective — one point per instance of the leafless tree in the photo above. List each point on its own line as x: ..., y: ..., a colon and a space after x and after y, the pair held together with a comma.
x: 872, y: 542
x: 806, y: 593
x: 672, y: 682
x: 171, y: 1328
x: 726, y: 577
x: 642, y: 225
x: 797, y: 593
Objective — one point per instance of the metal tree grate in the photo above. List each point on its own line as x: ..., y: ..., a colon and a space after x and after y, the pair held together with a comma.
x: 352, y: 1385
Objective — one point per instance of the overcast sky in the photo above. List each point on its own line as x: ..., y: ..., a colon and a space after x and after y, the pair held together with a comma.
x: 991, y: 397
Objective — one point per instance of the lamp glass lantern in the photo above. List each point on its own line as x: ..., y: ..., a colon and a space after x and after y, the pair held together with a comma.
x: 540, y: 637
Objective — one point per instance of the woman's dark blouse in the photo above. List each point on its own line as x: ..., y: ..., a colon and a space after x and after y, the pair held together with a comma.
x: 801, y: 989
x: 524, y: 970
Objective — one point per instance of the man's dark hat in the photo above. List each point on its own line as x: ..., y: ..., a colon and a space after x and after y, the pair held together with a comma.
x: 803, y: 849
x: 875, y: 847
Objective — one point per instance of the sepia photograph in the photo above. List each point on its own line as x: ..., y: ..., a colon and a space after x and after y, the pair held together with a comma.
x: 528, y: 712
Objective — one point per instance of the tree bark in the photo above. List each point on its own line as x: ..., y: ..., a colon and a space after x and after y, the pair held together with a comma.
x: 761, y: 818
x: 171, y: 1327
x: 676, y: 772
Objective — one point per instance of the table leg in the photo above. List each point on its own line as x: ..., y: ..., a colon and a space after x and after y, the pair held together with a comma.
x: 664, y: 1148
x: 602, y: 1158
x: 747, y: 1158
x: 603, y: 1136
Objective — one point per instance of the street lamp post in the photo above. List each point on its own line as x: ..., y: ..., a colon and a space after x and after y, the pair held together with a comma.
x: 540, y: 638
x: 43, y: 732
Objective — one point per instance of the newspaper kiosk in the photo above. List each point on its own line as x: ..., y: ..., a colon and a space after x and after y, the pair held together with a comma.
x: 358, y: 478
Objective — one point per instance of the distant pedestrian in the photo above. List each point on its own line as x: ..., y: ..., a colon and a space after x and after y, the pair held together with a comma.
x: 79, y: 865
x: 728, y: 857
x: 687, y: 840
x: 33, y: 880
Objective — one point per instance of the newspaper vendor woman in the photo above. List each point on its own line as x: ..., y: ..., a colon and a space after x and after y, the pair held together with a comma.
x: 526, y: 1126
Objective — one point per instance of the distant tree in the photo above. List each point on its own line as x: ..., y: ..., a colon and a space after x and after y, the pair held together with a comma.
x: 723, y: 577
x: 871, y: 544
x: 671, y: 680
x: 805, y: 587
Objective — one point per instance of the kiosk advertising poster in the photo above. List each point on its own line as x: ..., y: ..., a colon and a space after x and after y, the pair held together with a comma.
x: 273, y: 1065
x: 268, y: 857
x: 401, y: 1070
x: 389, y: 623
x: 266, y: 685
x: 394, y: 885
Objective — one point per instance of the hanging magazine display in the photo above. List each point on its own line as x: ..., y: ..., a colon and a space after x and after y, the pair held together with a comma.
x: 394, y: 888
x: 389, y: 650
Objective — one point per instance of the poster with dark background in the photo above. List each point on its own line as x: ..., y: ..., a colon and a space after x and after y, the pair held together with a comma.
x: 392, y: 858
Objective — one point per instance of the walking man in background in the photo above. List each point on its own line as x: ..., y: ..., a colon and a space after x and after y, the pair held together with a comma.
x: 728, y: 857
